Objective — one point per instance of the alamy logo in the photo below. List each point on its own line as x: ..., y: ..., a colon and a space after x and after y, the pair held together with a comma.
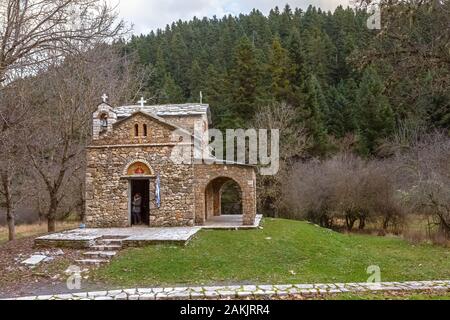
x: 374, y: 280
x: 74, y: 280
x: 249, y: 147
x: 373, y: 9
x: 374, y: 21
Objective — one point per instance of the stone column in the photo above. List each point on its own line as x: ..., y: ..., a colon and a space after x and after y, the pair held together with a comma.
x: 249, y: 203
x: 217, y: 200
x: 200, y: 207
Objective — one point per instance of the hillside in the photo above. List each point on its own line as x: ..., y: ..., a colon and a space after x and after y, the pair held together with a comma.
x: 283, y: 252
x: 341, y: 77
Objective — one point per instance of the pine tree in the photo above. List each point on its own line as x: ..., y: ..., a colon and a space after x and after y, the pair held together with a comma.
x: 312, y: 113
x: 196, y: 83
x: 375, y: 116
x: 180, y: 62
x: 245, y: 79
x: 296, y: 54
x: 172, y: 93
x: 341, y: 117
x: 158, y: 77
x: 281, y: 71
x: 213, y: 94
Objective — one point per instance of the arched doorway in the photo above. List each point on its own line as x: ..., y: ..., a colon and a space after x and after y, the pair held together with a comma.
x: 223, y: 198
x: 231, y: 198
x: 139, y: 175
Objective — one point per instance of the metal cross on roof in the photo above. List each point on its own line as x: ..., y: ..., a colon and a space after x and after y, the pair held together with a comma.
x: 105, y: 98
x: 142, y: 101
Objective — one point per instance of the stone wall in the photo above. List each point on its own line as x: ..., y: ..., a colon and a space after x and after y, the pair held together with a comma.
x: 122, y: 132
x: 208, y: 181
x: 107, y: 189
x: 186, y: 190
x: 187, y: 122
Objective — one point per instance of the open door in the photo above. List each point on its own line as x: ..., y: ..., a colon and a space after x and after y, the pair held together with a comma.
x: 141, y: 187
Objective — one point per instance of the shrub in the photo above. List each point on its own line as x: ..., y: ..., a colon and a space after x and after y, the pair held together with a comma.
x: 425, y: 176
x: 342, y: 191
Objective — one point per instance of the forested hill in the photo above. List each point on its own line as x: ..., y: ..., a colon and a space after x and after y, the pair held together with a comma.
x: 309, y: 59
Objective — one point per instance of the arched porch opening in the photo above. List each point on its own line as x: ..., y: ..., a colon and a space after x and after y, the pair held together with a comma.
x: 231, y: 198
x: 223, y: 195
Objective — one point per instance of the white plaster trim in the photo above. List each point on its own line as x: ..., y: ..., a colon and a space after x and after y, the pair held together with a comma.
x: 139, y: 145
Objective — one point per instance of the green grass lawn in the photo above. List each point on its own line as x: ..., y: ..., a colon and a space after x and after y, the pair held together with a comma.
x: 283, y: 252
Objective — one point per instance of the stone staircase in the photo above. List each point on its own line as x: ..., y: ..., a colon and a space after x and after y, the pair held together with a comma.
x: 102, y: 251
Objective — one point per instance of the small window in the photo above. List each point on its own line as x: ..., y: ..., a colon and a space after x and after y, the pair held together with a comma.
x: 136, y: 130
x: 145, y: 130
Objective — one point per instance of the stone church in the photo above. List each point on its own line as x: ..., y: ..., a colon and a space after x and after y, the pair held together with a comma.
x: 130, y: 153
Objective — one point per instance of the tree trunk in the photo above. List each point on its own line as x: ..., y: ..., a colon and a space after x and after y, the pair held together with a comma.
x: 386, y: 223
x: 6, y: 184
x: 350, y: 222
x: 444, y: 227
x: 51, y: 215
x: 11, y: 225
x: 362, y: 223
x: 51, y: 224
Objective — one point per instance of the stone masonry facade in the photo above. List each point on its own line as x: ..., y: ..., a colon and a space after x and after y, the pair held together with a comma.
x: 143, y: 137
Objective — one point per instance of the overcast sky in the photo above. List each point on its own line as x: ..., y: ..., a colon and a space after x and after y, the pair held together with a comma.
x: 147, y: 15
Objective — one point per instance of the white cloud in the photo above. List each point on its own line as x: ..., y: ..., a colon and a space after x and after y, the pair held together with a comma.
x: 147, y: 15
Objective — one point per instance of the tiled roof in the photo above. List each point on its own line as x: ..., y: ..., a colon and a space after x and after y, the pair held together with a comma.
x: 165, y: 110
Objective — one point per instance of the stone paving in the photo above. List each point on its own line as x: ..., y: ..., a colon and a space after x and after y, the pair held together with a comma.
x: 230, y: 222
x: 140, y: 236
x: 85, y: 238
x: 248, y: 291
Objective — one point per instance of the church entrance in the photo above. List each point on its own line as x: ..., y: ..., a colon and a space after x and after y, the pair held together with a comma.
x: 140, y: 209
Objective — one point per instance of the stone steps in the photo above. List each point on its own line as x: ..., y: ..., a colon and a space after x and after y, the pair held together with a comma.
x: 96, y: 262
x: 117, y: 242
x: 102, y: 251
x: 106, y: 247
x: 100, y: 254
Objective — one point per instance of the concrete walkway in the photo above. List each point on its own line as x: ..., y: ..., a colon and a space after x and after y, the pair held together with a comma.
x: 230, y: 222
x: 140, y: 236
x: 249, y: 291
x: 136, y: 236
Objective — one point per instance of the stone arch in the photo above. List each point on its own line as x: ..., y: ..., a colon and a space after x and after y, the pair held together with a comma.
x: 213, y: 195
x: 145, y: 166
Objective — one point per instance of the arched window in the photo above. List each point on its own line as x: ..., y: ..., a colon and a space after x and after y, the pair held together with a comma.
x: 145, y: 130
x: 136, y: 130
x: 104, y: 122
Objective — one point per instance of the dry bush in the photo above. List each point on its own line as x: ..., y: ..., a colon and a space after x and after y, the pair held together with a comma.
x: 344, y: 190
x: 425, y: 177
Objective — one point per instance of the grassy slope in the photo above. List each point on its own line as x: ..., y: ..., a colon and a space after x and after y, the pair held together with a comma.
x: 312, y: 253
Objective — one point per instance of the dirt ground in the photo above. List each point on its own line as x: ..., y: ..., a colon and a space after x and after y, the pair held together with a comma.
x: 49, y: 277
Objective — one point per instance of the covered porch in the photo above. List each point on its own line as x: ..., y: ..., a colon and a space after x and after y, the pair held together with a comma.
x: 230, y: 222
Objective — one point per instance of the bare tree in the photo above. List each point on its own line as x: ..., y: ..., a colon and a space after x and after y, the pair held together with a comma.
x: 69, y: 93
x: 35, y: 33
x: 14, y: 118
x: 425, y: 169
x: 293, y: 144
